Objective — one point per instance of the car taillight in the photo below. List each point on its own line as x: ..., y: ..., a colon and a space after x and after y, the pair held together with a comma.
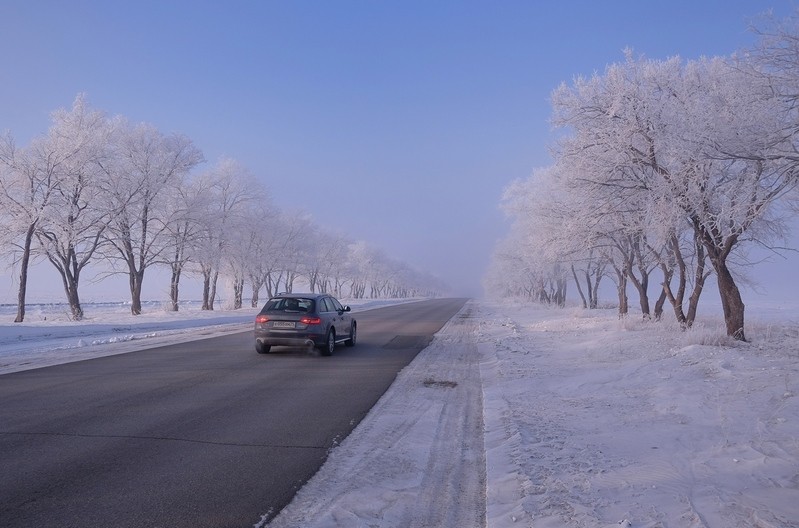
x: 261, y: 319
x: 311, y: 320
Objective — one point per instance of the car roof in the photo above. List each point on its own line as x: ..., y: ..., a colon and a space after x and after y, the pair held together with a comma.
x: 302, y: 295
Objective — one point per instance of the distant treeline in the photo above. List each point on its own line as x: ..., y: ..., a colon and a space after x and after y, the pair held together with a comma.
x: 96, y: 189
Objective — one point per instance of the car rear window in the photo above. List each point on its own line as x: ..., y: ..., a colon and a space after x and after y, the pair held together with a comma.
x: 289, y: 304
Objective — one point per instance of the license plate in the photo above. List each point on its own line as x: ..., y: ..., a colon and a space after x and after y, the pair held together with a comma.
x: 283, y: 324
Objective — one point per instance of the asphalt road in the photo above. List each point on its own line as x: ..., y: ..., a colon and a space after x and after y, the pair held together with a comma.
x: 202, y: 434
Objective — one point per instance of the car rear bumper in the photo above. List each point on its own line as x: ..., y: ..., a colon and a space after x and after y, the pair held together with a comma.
x: 299, y: 341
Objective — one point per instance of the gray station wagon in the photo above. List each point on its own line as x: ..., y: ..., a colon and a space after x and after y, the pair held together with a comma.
x: 304, y: 320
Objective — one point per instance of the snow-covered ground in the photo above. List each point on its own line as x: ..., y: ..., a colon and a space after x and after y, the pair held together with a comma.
x: 519, y: 415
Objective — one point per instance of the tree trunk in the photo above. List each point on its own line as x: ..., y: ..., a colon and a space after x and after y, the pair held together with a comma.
x: 74, y: 302
x: 641, y: 285
x: 276, y: 283
x: 136, y: 279
x: 256, y: 288
x: 212, y: 293
x: 731, y: 301
x: 659, y: 304
x: 238, y: 293
x: 270, y: 288
x: 67, y: 267
x: 313, y: 279
x: 23, y: 274
x: 676, y: 298
x: 718, y: 249
x: 542, y: 295
x: 593, y: 298
x: 71, y: 290
x: 579, y: 288
x: 23, y: 285
x: 699, y: 284
x: 561, y: 294
x: 207, y: 304
x: 621, y: 290
x: 174, y: 287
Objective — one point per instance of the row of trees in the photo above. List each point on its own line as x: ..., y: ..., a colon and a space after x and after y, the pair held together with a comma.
x: 664, y: 168
x: 102, y: 191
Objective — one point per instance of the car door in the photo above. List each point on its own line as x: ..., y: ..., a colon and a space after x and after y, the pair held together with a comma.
x: 344, y: 319
x: 326, y: 312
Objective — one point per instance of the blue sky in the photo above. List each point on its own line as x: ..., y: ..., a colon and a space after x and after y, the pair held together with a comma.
x: 399, y: 123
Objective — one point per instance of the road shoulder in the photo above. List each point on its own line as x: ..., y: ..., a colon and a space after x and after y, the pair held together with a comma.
x: 417, y: 459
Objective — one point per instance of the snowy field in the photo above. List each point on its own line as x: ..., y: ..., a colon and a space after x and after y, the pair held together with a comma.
x: 519, y: 415
x: 595, y: 422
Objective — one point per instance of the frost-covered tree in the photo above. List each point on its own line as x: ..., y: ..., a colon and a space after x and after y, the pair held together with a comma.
x: 332, y: 262
x: 322, y: 258
x: 246, y: 257
x: 624, y: 108
x: 540, y: 242
x: 299, y: 250
x: 241, y: 240
x: 280, y: 232
x: 261, y: 227
x: 385, y: 277
x: 703, y: 137
x: 183, y: 232
x: 612, y: 118
x: 231, y: 190
x: 72, y: 231
x: 27, y: 182
x: 144, y: 175
x: 364, y: 259
x: 732, y: 169
x: 775, y: 60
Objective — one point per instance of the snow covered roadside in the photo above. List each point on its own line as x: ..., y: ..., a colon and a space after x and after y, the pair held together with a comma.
x: 592, y: 421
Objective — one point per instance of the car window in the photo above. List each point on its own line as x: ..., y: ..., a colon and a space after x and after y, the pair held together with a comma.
x: 272, y: 305
x: 337, y: 305
x: 326, y: 305
x: 289, y: 304
x: 304, y: 305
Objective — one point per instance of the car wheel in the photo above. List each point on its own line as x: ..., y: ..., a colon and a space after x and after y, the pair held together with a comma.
x: 330, y: 343
x: 353, y: 334
x: 261, y: 348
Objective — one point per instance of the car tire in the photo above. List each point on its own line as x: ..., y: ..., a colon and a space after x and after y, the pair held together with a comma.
x: 353, y: 335
x: 330, y: 343
x: 261, y: 348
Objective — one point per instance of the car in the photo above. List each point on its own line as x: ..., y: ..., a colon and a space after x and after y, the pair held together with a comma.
x: 304, y: 320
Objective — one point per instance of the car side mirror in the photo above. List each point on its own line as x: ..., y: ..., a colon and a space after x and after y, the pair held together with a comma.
x: 346, y: 308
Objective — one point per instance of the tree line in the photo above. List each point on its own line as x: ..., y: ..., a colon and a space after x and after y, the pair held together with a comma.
x: 101, y: 190
x: 665, y: 172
